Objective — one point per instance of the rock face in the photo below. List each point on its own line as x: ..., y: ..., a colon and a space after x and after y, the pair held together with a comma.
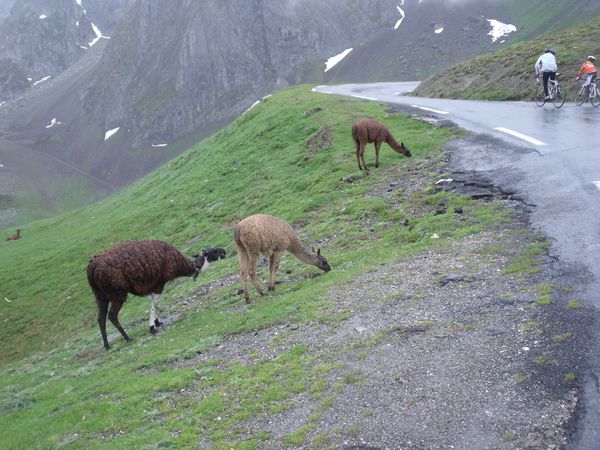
x: 199, y: 62
x: 42, y: 38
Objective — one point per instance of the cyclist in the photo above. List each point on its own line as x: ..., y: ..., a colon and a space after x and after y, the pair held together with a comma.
x: 547, y: 67
x: 589, y: 69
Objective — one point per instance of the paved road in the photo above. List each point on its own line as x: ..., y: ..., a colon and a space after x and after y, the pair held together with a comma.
x: 558, y: 170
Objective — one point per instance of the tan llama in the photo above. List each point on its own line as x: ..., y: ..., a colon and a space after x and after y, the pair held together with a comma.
x: 366, y: 131
x: 270, y: 236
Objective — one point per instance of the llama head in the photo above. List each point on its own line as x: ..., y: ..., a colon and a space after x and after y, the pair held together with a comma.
x: 322, y: 262
x: 208, y: 255
x: 213, y: 254
x: 404, y: 150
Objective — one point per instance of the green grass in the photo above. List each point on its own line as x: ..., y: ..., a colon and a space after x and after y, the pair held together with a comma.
x: 59, y: 387
x: 509, y: 73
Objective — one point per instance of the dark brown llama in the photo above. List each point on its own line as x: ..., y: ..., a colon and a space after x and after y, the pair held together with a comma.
x: 14, y: 237
x: 366, y: 131
x: 139, y: 268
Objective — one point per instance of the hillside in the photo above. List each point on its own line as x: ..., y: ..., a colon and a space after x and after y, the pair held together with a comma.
x: 427, y: 286
x: 196, y: 67
x: 508, y: 74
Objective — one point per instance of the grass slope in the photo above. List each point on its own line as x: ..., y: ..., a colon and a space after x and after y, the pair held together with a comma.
x: 59, y: 388
x: 509, y: 74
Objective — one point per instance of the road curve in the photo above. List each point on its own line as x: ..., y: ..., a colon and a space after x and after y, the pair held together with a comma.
x: 556, y: 167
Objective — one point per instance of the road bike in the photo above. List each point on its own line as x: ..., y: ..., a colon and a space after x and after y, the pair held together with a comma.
x: 555, y: 92
x: 588, y: 92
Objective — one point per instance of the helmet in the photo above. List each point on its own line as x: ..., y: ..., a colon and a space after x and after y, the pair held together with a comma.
x: 549, y: 50
x: 591, y: 58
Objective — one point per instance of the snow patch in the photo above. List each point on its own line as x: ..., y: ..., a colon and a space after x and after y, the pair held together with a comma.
x: 500, y: 29
x: 402, y: 16
x: 42, y: 80
x: 110, y: 133
x: 253, y: 105
x: 53, y: 122
x: 2, y: 104
x: 336, y: 59
x: 439, y: 30
x: 99, y: 35
x: 159, y: 145
x: 43, y: 16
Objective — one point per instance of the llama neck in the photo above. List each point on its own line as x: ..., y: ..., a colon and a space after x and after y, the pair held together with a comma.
x: 393, y: 143
x: 298, y: 250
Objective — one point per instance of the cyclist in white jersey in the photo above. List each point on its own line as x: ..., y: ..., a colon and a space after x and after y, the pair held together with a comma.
x: 547, y: 67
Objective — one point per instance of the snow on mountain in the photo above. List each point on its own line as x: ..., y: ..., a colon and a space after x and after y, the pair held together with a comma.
x: 111, y: 133
x: 402, y: 16
x: 53, y: 122
x: 336, y: 59
x: 46, y: 78
x: 500, y: 29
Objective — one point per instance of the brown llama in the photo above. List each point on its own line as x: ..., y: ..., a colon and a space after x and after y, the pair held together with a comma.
x: 14, y: 237
x: 139, y: 268
x: 366, y: 131
x: 270, y: 236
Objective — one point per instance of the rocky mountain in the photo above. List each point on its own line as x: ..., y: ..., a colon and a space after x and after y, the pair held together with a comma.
x: 41, y: 38
x: 5, y: 6
x: 433, y: 34
x: 103, y: 112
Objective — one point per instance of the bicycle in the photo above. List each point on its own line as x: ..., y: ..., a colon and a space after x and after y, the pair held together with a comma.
x: 555, y: 92
x: 588, y: 92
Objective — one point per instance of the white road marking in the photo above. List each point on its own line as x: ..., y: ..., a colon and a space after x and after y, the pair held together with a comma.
x: 516, y: 134
x: 430, y: 109
x: 363, y: 97
x: 597, y: 184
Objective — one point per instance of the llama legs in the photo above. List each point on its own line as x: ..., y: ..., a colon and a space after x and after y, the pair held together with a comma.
x: 357, y: 150
x: 102, y: 312
x: 274, y: 261
x: 113, y: 316
x: 361, y: 152
x: 252, y: 259
x: 377, y: 147
x: 243, y: 256
x: 154, y: 321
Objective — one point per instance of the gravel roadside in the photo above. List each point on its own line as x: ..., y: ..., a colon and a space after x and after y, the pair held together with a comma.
x: 448, y: 349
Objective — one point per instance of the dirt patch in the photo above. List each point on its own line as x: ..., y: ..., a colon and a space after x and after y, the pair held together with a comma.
x: 320, y: 141
x: 439, y: 351
x: 451, y: 348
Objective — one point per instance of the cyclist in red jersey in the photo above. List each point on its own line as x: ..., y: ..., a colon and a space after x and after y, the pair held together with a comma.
x: 589, y: 69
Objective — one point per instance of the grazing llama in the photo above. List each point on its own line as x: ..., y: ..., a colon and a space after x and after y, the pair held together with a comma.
x: 366, y: 131
x: 270, y: 236
x: 14, y: 237
x: 139, y: 268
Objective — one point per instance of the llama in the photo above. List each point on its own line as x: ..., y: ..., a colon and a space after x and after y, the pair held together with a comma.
x: 366, y: 131
x: 139, y: 268
x: 14, y: 237
x: 270, y: 236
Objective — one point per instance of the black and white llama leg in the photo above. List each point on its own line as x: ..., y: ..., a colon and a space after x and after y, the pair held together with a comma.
x: 154, y: 322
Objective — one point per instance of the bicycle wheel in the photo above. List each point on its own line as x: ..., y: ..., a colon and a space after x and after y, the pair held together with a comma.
x: 559, y: 97
x: 540, y: 97
x: 595, y: 98
x: 581, y: 96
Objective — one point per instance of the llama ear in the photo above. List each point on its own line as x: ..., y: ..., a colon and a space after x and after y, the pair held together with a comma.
x: 195, y: 255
